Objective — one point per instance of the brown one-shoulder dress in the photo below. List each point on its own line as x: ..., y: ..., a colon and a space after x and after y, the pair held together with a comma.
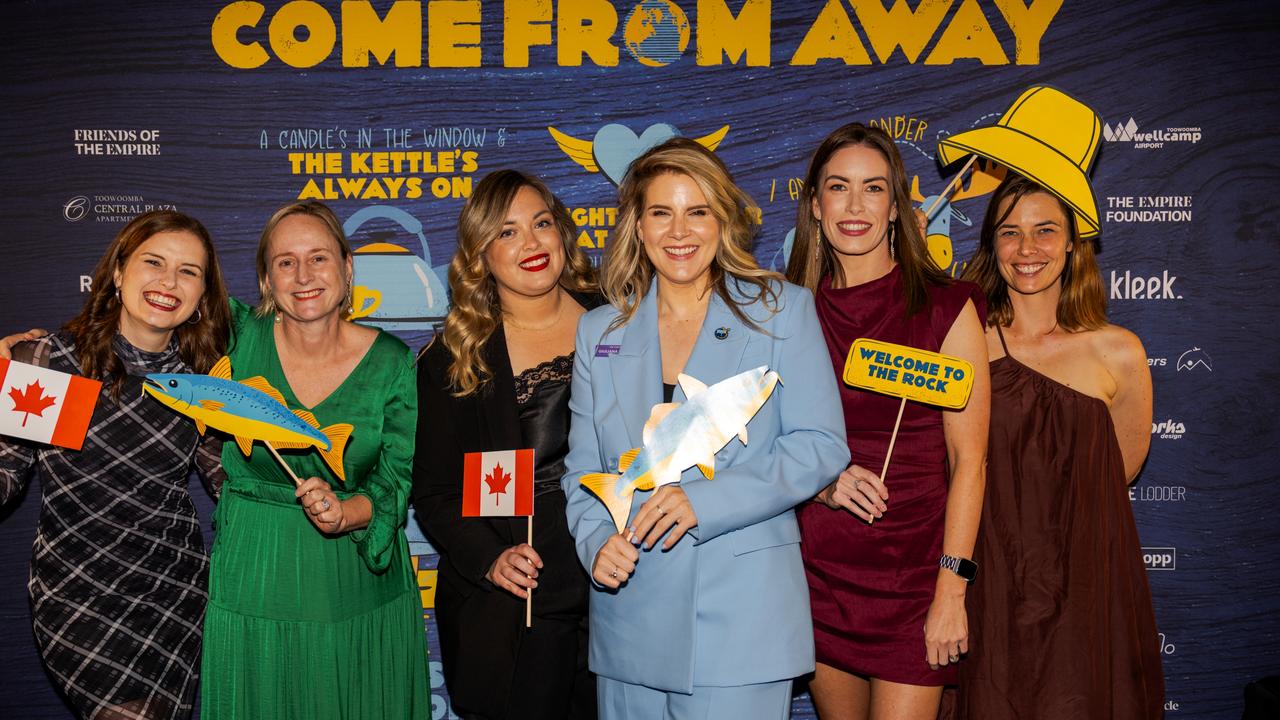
x: 1060, y: 617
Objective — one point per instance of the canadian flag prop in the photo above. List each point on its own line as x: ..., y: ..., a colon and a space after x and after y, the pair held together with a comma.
x: 497, y: 484
x: 45, y: 405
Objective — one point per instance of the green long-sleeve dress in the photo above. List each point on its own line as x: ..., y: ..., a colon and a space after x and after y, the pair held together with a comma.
x: 301, y: 624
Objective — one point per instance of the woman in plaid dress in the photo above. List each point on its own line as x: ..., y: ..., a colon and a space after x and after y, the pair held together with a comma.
x: 119, y: 570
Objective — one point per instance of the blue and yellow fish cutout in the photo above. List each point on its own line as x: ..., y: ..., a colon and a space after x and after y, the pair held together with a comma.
x: 249, y: 410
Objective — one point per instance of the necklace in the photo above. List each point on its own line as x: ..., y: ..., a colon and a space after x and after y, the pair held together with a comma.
x: 537, y: 328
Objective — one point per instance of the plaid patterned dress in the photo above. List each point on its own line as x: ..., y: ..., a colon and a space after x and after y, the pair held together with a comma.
x: 119, y: 570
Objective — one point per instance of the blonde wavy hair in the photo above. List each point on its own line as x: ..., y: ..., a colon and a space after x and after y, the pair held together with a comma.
x: 627, y: 271
x: 1083, y: 302
x: 812, y: 257
x: 475, y: 310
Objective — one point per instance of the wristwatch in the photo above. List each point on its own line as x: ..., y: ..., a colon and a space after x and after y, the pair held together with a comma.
x: 966, y: 569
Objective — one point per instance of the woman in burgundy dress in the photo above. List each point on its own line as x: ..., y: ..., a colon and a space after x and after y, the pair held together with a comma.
x: 1061, y: 613
x: 888, y: 613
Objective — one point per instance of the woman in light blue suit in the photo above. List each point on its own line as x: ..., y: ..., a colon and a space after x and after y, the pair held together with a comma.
x: 700, y: 609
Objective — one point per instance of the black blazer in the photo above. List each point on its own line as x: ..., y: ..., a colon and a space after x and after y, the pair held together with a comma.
x: 470, y: 611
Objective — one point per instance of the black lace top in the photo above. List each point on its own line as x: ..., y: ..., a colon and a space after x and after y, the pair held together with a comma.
x: 542, y: 398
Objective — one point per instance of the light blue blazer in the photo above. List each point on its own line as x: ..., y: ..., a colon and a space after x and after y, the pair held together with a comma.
x: 729, y: 604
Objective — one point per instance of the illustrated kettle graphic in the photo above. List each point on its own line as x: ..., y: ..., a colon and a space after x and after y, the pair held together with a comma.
x: 395, y: 289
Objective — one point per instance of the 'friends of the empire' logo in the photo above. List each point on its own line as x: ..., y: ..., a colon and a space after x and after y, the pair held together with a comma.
x: 654, y: 33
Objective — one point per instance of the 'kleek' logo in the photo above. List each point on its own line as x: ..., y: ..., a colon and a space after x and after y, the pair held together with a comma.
x: 449, y: 33
x: 1137, y: 287
x: 1128, y: 133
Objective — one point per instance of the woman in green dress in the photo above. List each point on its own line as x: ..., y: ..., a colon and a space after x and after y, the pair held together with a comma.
x: 313, y: 607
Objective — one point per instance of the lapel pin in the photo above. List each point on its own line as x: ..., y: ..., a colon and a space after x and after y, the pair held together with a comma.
x: 722, y: 333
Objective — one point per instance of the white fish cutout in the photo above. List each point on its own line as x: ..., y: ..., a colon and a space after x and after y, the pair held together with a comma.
x: 679, y: 436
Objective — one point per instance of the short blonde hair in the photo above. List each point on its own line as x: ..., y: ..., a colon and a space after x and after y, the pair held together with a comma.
x: 311, y: 208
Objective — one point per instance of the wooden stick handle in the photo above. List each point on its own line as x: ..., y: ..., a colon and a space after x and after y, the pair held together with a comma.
x: 946, y: 191
x: 893, y: 439
x: 296, y: 480
x: 528, y: 597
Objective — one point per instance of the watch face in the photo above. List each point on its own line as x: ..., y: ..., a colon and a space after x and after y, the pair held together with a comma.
x: 968, y: 569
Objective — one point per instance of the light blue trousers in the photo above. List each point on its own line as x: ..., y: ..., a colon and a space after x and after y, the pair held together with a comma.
x: 765, y: 701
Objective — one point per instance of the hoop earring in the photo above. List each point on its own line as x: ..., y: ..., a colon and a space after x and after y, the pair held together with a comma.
x: 195, y: 319
x: 118, y: 299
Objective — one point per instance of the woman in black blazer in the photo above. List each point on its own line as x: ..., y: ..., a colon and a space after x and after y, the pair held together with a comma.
x: 497, y: 378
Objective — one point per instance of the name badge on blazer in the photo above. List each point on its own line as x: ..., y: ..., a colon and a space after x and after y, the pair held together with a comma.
x: 604, y: 351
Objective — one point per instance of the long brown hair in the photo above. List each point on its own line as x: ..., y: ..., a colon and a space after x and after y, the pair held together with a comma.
x: 813, y: 258
x: 200, y: 344
x: 475, y: 311
x: 627, y: 271
x: 310, y: 208
x: 1083, y: 302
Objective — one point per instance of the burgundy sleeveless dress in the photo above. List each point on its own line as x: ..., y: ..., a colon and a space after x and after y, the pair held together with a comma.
x: 1060, y: 618
x: 870, y: 586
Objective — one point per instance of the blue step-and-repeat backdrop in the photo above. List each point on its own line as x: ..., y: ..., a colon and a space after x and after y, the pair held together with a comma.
x: 391, y: 111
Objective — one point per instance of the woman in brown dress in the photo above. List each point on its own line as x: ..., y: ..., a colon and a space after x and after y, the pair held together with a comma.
x: 1060, y: 615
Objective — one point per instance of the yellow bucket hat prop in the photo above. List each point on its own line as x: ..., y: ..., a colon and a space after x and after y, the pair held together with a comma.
x: 1046, y: 136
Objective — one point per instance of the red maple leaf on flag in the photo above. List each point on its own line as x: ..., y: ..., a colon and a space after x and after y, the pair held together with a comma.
x: 497, y: 481
x: 32, y: 400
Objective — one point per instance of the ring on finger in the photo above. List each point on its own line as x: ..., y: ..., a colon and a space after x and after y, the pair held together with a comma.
x: 325, y: 503
x: 614, y: 574
x: 955, y: 658
x: 660, y: 510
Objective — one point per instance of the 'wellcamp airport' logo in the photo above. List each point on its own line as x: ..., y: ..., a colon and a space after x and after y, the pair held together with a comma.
x: 1160, y: 558
x: 1128, y: 132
